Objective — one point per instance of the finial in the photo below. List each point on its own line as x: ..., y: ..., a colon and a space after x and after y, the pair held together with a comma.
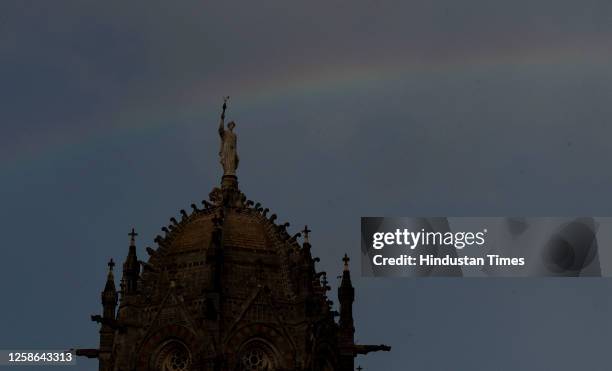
x: 109, y: 288
x: 346, y: 260
x: 132, y: 235
x: 111, y: 265
x: 305, y: 233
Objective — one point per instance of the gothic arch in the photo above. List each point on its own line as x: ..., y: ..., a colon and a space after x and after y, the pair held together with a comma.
x: 258, y: 355
x: 168, y: 349
x: 264, y: 341
x: 171, y: 355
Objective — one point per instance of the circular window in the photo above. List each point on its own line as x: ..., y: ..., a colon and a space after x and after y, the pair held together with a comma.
x: 177, y: 360
x: 257, y: 356
x: 255, y: 359
x: 173, y: 356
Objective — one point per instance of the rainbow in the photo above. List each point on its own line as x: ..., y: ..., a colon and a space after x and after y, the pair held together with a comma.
x: 202, y: 99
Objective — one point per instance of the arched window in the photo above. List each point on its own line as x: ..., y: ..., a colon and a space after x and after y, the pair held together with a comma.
x: 173, y: 356
x: 257, y: 355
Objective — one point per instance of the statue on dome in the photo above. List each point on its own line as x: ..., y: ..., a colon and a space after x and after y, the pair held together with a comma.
x: 228, y: 153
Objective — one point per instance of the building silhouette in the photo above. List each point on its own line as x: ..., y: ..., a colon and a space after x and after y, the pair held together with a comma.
x: 227, y: 288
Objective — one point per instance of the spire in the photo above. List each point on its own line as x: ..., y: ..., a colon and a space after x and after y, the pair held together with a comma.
x: 109, y: 315
x: 346, y: 335
x: 109, y: 295
x: 346, y: 292
x: 131, y: 267
x: 346, y: 261
x: 346, y: 296
x: 132, y: 235
x: 305, y: 233
x: 110, y: 278
x: 349, y: 292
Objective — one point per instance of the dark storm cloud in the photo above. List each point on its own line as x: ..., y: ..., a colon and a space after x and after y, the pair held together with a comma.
x: 108, y: 114
x: 75, y: 63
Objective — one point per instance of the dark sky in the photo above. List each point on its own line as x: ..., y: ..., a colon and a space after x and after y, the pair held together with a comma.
x: 344, y: 109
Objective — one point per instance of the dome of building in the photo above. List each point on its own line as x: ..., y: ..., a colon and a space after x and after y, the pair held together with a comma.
x: 227, y: 288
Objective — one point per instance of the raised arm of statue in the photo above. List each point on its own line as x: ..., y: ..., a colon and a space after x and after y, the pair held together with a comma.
x: 221, y: 122
x: 221, y: 127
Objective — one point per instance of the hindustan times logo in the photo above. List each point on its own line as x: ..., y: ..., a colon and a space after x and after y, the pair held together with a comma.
x: 412, y: 240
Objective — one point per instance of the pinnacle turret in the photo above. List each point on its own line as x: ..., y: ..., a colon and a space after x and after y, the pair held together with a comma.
x: 109, y: 295
x: 346, y: 295
x: 131, y: 267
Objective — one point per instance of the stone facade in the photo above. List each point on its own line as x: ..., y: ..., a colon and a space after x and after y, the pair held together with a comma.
x: 226, y: 289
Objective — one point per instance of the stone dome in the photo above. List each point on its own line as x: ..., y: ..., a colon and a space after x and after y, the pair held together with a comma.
x: 247, y: 232
x: 227, y: 288
x: 244, y: 228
